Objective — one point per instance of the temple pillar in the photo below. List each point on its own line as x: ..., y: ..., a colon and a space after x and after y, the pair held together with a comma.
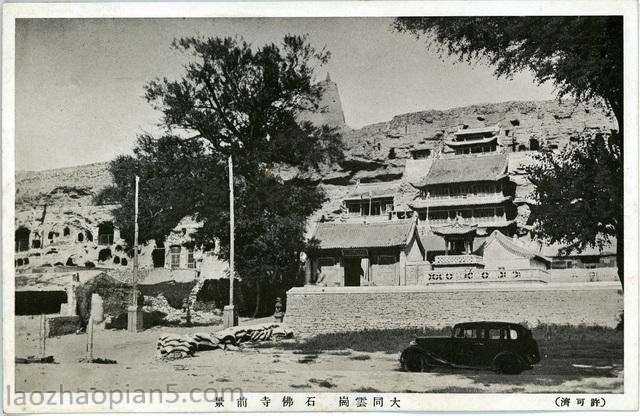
x: 308, y: 271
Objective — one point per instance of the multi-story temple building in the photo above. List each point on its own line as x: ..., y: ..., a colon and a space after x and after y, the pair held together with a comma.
x: 467, y: 213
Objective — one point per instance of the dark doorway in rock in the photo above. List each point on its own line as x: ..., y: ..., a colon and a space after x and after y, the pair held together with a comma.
x: 80, y: 237
x: 89, y: 236
x: 534, y: 144
x: 66, y: 231
x: 104, y: 254
x: 105, y: 233
x: 22, y: 239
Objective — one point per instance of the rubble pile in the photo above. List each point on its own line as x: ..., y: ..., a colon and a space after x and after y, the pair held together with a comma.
x: 174, y: 346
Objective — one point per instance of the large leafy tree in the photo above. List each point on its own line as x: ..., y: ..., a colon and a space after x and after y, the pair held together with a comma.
x: 240, y: 101
x: 579, y: 193
x: 583, y: 57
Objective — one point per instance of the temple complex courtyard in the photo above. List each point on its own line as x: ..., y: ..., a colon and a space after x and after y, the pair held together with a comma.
x: 575, y: 359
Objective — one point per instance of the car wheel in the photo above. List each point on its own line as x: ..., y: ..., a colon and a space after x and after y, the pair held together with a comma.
x: 507, y: 363
x: 413, y: 361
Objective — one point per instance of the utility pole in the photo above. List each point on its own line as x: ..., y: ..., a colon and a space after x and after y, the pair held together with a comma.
x: 229, y: 316
x: 135, y: 323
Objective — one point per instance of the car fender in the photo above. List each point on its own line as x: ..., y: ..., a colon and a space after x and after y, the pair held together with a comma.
x: 431, y: 358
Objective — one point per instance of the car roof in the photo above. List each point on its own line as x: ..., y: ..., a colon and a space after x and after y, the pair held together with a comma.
x: 500, y: 323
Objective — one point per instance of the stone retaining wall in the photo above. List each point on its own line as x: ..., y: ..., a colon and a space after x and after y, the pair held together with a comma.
x: 313, y: 310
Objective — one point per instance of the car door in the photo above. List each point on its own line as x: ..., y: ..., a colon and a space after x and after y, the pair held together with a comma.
x: 477, y: 347
x: 497, y: 340
x: 463, y: 348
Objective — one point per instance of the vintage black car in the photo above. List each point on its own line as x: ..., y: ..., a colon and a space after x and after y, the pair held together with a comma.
x: 502, y: 346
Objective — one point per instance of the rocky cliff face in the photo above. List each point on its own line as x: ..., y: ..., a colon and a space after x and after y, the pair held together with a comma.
x: 54, y: 200
x: 378, y: 152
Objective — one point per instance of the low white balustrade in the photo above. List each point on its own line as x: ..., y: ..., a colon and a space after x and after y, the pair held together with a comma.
x: 458, y: 259
x: 436, y: 276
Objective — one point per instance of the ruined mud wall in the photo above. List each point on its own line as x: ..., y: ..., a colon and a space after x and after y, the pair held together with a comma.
x: 314, y: 310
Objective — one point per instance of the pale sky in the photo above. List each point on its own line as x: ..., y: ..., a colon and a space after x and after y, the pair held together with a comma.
x: 79, y: 83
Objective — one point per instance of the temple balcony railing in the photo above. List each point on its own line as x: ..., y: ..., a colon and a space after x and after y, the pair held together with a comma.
x: 458, y: 260
x: 480, y: 221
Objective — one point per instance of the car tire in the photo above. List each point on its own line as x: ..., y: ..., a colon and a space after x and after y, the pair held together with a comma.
x: 413, y: 361
x: 507, y: 363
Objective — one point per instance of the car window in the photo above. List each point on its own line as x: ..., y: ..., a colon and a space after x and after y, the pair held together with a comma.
x: 469, y: 333
x: 495, y: 333
x: 459, y: 333
x: 513, y: 334
x: 479, y: 332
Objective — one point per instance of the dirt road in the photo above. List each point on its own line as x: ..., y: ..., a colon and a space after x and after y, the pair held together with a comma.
x: 275, y: 369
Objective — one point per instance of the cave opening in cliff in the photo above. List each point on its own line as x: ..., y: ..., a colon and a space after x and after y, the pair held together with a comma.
x: 534, y: 144
x: 104, y: 254
x: 105, y: 233
x: 80, y: 237
x: 22, y: 239
x: 66, y: 231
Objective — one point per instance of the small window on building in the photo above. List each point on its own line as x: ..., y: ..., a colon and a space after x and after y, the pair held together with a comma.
x: 354, y: 208
x: 422, y: 215
x: 175, y: 257
x: 51, y: 235
x: 191, y: 262
x: 66, y: 231
x: 80, y: 237
x: 105, y: 234
x: 35, y: 244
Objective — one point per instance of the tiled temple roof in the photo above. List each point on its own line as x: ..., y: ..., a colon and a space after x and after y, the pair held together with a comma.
x: 509, y: 244
x: 455, y: 143
x: 335, y: 235
x: 465, y: 169
x: 376, y: 190
x: 487, y: 129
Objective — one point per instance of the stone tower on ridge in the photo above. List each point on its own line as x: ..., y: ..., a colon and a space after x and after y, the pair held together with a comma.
x: 330, y: 107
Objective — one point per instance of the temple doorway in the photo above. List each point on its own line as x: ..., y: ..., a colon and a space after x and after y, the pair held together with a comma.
x: 352, y: 271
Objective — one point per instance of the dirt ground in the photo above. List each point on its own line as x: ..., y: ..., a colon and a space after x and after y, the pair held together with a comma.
x: 276, y: 369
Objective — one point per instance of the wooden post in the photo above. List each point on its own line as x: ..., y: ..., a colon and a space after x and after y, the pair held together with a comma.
x: 232, y: 275
x: 90, y: 340
x: 43, y: 335
x: 229, y: 317
x: 135, y: 247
